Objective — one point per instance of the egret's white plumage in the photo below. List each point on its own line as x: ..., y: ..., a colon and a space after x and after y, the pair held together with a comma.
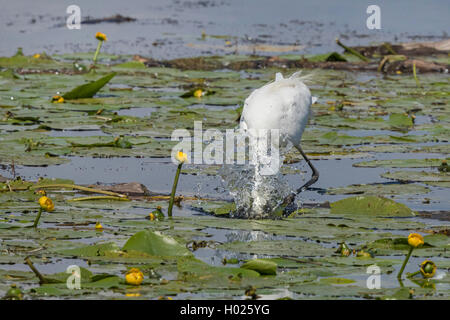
x: 284, y: 104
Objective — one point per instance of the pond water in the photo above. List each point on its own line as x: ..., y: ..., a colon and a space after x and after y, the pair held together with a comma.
x: 165, y: 29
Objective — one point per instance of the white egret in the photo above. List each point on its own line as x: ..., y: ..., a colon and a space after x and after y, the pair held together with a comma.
x: 284, y: 104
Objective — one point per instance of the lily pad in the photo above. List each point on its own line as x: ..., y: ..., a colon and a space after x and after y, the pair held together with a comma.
x: 88, y: 90
x: 263, y: 267
x: 400, y: 121
x: 91, y: 250
x: 401, y: 163
x: 418, y: 176
x: 370, y: 205
x: 156, y: 244
x: 333, y: 280
x: 377, y: 189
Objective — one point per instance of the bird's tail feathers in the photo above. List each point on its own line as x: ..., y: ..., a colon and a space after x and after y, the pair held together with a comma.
x: 304, y: 78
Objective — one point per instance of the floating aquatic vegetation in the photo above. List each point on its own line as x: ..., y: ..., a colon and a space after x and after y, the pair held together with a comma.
x: 156, y: 244
x: 435, y: 178
x: 400, y: 163
x: 88, y: 90
x: 263, y: 267
x: 370, y: 205
x: 355, y: 117
x: 380, y: 189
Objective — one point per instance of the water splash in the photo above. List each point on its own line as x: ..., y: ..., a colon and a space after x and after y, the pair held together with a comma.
x: 256, y: 195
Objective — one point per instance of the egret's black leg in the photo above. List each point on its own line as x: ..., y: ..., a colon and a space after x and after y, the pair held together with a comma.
x: 315, y: 173
x: 288, y: 205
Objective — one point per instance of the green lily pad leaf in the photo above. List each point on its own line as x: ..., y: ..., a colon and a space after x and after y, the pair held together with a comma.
x: 380, y: 189
x: 61, y: 277
x: 56, y: 290
x: 105, y: 282
x: 17, y: 184
x: 88, y: 285
x: 400, y: 294
x: 8, y: 226
x: 91, y: 250
x: 440, y: 184
x: 388, y: 246
x: 9, y: 73
x: 120, y: 142
x: 291, y: 248
x: 401, y: 163
x: 193, y: 270
x: 400, y: 121
x: 264, y: 267
x: 131, y: 65
x: 438, y: 240
x: 90, y: 89
x: 333, y: 280
x: 156, y: 244
x: 333, y: 138
x: 370, y: 205
x: 218, y: 208
x: 417, y: 176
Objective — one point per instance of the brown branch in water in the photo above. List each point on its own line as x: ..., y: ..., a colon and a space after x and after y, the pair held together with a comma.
x: 100, y: 198
x: 74, y: 186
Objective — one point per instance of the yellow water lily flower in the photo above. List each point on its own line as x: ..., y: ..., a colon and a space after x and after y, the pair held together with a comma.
x: 152, y: 216
x: 46, y: 203
x: 37, y: 56
x: 415, y: 240
x: 198, y: 93
x: 101, y: 36
x: 181, y: 156
x: 428, y: 269
x: 57, y: 99
x: 98, y: 226
x: 134, y: 276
